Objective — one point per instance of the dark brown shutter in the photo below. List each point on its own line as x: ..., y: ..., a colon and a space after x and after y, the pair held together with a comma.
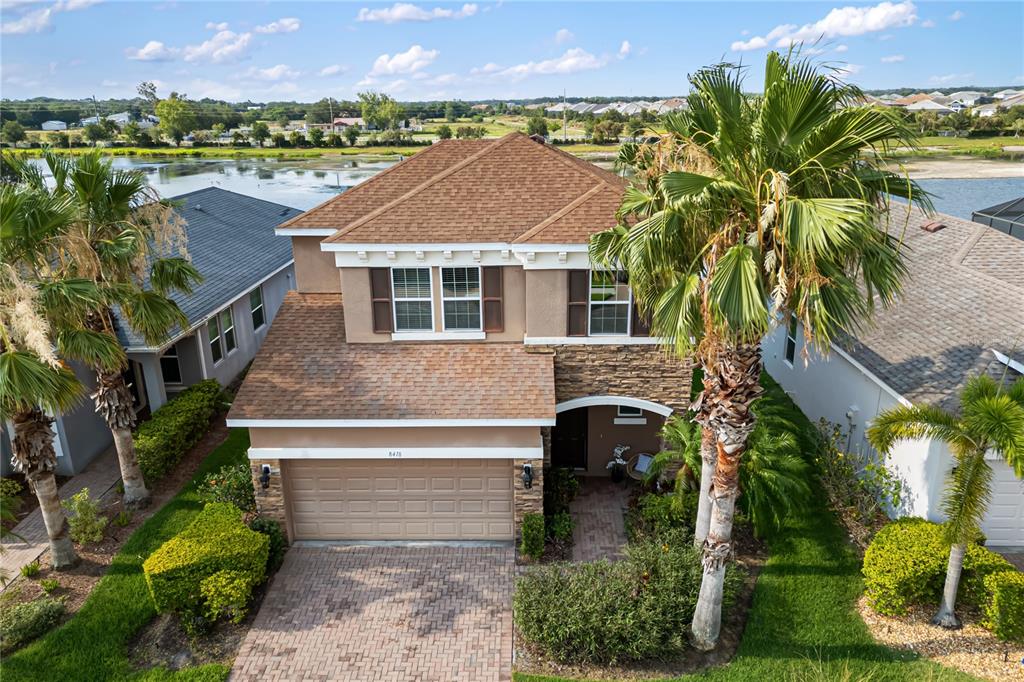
x: 641, y: 323
x: 380, y: 296
x: 493, y: 295
x: 579, y: 291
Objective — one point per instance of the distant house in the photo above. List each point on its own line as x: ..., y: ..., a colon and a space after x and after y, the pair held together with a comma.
x: 1004, y: 94
x: 930, y: 105
x: 347, y: 121
x: 911, y: 99
x: 970, y: 97
x: 246, y: 273
x: 121, y: 119
x: 991, y: 109
x: 480, y: 107
x: 557, y: 108
x: 54, y: 125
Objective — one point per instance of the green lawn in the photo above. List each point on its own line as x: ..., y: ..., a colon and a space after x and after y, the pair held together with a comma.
x: 93, y: 644
x: 803, y: 624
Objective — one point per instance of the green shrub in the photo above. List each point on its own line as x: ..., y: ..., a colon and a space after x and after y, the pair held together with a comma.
x: 161, y: 441
x: 232, y: 484
x: 21, y: 623
x: 560, y: 525
x: 1004, y: 608
x: 560, y: 488
x: 278, y: 542
x: 85, y: 522
x: 123, y: 518
x: 906, y: 561
x: 30, y: 570
x: 49, y: 585
x: 216, y: 540
x: 656, y: 514
x: 532, y: 544
x: 10, y: 495
x: 226, y: 595
x: 603, y: 612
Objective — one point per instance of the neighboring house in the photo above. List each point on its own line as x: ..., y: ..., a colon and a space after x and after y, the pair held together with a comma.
x: 345, y: 122
x: 246, y: 272
x: 54, y: 125
x: 970, y: 97
x: 986, y: 110
x: 930, y: 105
x: 962, y: 313
x: 1003, y: 94
x: 449, y: 337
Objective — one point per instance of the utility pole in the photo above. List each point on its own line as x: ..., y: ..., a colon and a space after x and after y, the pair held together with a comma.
x: 330, y: 103
x: 565, y: 129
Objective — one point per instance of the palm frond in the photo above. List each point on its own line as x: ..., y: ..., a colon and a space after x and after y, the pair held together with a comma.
x: 912, y: 422
x: 96, y: 349
x: 167, y: 275
x: 968, y: 491
x: 26, y: 382
x: 151, y: 315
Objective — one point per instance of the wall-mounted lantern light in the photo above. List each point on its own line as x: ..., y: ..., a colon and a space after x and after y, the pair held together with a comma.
x: 265, y: 476
x: 527, y: 475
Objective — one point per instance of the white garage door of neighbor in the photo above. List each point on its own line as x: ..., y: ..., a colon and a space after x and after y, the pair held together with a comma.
x: 426, y: 499
x: 1004, y: 523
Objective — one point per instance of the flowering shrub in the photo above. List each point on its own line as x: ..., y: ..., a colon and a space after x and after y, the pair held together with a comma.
x: 231, y: 484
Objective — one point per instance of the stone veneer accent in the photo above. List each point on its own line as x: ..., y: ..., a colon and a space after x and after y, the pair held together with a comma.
x: 526, y: 501
x: 270, y: 502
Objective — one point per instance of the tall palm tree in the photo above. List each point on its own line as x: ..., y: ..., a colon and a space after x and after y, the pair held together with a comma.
x: 133, y: 246
x: 991, y: 419
x: 752, y: 209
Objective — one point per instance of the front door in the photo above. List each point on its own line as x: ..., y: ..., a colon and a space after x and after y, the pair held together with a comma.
x: 569, y: 439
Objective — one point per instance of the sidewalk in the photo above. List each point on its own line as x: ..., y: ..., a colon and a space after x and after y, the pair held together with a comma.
x: 99, y: 477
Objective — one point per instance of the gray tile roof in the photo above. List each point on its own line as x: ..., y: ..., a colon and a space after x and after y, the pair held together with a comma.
x: 232, y: 243
x: 964, y: 297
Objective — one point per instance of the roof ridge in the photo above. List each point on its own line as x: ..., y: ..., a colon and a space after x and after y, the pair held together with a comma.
x: 422, y: 186
x: 600, y: 174
x: 349, y: 192
x: 539, y: 227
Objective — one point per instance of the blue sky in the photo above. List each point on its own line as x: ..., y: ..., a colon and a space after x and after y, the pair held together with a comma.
x: 433, y: 50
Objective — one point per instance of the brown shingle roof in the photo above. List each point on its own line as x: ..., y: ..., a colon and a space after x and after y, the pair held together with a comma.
x: 306, y: 370
x: 489, y: 191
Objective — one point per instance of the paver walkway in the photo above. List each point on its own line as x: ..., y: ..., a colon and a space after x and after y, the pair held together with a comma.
x: 369, y: 613
x: 100, y: 477
x: 599, y: 510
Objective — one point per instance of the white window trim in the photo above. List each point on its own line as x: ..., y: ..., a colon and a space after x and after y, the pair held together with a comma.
x: 173, y: 348
x: 785, y: 346
x: 262, y: 306
x: 218, y: 338
x: 395, y: 300
x: 629, y: 418
x: 223, y: 332
x: 590, y: 305
x: 630, y: 421
x: 479, y: 298
x: 619, y: 411
x: 467, y: 335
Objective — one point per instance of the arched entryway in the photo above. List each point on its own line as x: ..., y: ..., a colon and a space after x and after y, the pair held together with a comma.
x: 588, y: 429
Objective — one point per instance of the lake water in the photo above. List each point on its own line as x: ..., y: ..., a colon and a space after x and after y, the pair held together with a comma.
x: 305, y: 183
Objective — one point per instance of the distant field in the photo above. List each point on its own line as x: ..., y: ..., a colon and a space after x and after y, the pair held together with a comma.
x: 989, y: 147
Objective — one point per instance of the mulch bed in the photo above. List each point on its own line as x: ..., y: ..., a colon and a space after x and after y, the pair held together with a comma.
x: 972, y: 649
x: 78, y: 582
x: 29, y: 501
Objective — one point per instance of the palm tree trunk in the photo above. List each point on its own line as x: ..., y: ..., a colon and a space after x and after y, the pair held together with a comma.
x: 114, y: 403
x: 946, y: 617
x: 730, y: 389
x: 35, y: 457
x: 708, y: 456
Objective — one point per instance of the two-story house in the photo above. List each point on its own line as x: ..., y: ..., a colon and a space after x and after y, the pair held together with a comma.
x: 449, y: 336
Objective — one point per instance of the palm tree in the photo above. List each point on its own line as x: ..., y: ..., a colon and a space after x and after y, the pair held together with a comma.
x: 133, y: 247
x: 991, y: 420
x: 750, y: 210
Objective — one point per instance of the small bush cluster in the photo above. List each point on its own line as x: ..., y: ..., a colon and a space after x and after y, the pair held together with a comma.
x: 216, y: 541
x: 49, y: 585
x: 161, y: 441
x: 905, y: 564
x: 21, y: 623
x: 276, y: 537
x: 655, y: 514
x: 10, y: 496
x: 31, y: 569
x: 560, y: 488
x: 532, y: 543
x: 231, y: 484
x: 226, y: 595
x: 85, y: 522
x: 560, y: 526
x: 602, y: 612
x: 123, y: 518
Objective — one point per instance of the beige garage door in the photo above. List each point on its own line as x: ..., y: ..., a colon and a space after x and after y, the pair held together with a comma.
x: 437, y: 499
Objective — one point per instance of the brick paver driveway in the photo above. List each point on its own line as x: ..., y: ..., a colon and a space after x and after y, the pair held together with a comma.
x: 384, y: 613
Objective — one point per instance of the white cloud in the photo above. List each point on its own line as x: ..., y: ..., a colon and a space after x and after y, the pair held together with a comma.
x: 410, y: 61
x: 849, y: 69
x: 893, y: 59
x: 285, y: 25
x: 212, y: 26
x: 840, y: 21
x: 625, y: 49
x: 36, y: 19
x: 573, y: 61
x: 404, y: 11
x: 950, y: 78
x: 956, y: 16
x: 224, y: 46
x: 153, y: 51
x: 109, y: 84
x: 927, y: 23
x: 563, y: 35
x: 842, y: 48
x: 333, y: 70
x: 273, y: 73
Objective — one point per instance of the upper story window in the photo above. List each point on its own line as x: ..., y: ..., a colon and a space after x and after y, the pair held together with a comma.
x: 221, y: 330
x: 791, y: 340
x: 259, y: 318
x: 460, y: 296
x: 414, y: 304
x: 610, y: 302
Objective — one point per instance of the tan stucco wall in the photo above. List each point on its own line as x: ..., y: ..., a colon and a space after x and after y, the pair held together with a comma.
x: 547, y: 296
x: 355, y: 296
x: 514, y: 293
x: 603, y: 434
x: 315, y: 271
x: 513, y: 436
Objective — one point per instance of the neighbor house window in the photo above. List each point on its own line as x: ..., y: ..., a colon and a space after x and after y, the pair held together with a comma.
x: 626, y: 411
x: 414, y: 305
x: 170, y: 367
x: 460, y: 296
x: 221, y: 329
x: 256, y: 308
x: 791, y: 340
x: 609, y: 302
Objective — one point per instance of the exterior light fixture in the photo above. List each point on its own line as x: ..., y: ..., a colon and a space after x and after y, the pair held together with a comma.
x: 265, y: 476
x: 527, y: 475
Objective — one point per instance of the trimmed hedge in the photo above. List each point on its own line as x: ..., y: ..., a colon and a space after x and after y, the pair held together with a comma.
x: 906, y: 561
x: 532, y: 544
x: 1004, y: 610
x: 162, y: 441
x: 21, y: 623
x: 215, y: 541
